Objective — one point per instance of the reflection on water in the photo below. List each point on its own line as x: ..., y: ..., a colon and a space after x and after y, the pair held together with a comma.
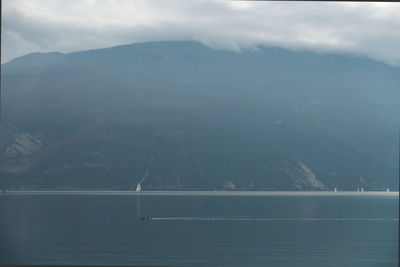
x: 138, y: 214
x: 199, y: 230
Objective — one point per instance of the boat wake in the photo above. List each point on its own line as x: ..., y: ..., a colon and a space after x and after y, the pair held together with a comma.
x: 265, y: 219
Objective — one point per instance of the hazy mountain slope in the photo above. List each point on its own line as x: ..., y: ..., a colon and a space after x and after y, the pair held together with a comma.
x: 182, y: 115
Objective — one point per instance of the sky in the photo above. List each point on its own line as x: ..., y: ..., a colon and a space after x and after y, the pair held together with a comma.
x: 363, y: 29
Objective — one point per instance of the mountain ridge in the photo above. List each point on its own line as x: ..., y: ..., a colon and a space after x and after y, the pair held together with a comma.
x: 271, y: 118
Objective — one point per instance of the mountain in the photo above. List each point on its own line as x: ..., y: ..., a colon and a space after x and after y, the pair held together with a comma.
x: 180, y: 115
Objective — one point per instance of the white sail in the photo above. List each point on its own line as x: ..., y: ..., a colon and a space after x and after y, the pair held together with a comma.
x: 138, y: 188
x: 387, y: 189
x: 362, y: 189
x: 335, y: 189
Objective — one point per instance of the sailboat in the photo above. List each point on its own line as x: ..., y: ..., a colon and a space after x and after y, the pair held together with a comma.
x: 362, y: 189
x: 138, y: 188
x: 335, y: 190
x: 387, y: 189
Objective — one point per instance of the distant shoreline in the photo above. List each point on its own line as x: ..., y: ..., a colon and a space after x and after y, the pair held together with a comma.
x: 203, y: 193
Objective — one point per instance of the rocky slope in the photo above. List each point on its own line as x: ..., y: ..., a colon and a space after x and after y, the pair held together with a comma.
x: 179, y: 115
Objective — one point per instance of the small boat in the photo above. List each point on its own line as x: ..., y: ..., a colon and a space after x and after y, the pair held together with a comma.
x: 335, y: 190
x: 3, y: 191
x: 387, y: 189
x: 138, y: 188
x: 362, y: 189
x: 145, y: 218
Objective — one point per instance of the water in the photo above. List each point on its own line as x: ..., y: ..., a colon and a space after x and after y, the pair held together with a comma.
x: 199, y: 228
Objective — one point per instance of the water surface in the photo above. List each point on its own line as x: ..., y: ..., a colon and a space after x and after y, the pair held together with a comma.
x: 200, y: 228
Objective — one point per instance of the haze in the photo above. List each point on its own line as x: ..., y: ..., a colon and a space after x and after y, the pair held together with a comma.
x: 365, y: 29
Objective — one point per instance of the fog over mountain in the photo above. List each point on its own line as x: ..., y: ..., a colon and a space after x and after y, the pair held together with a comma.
x: 365, y: 28
x: 180, y: 115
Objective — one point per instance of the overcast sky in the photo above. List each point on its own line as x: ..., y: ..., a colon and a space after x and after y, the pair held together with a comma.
x: 369, y: 29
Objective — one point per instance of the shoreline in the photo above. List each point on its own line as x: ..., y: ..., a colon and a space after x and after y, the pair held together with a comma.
x: 201, y: 193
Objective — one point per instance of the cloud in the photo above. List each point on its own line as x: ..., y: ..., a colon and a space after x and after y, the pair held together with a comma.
x: 368, y: 29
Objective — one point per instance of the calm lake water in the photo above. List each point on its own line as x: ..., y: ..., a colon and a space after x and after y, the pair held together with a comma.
x: 199, y: 229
